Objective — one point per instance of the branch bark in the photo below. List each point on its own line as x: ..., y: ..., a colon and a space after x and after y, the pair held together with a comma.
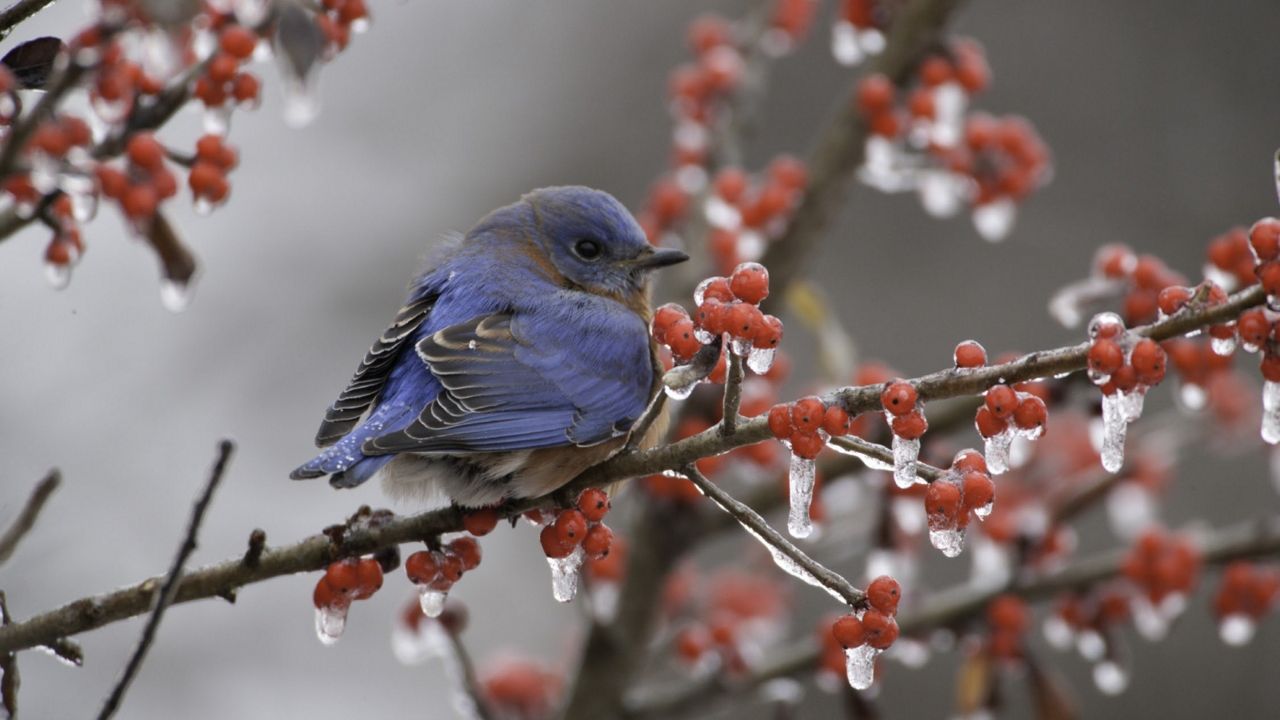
x: 27, y: 518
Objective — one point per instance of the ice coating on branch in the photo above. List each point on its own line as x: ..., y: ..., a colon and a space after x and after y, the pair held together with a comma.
x: 1271, y: 412
x: 860, y: 666
x: 1237, y: 629
x: 431, y: 601
x: 801, y: 477
x: 565, y: 572
x: 905, y: 455
x: 330, y: 622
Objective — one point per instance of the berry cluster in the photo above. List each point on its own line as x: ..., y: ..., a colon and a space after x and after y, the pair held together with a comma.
x: 1162, y: 566
x: 863, y: 634
x: 1229, y: 260
x: 1247, y: 593
x: 1087, y: 621
x: 746, y: 213
x: 340, y: 19
x: 727, y: 618
x: 905, y: 415
x: 1173, y: 298
x: 579, y: 526
x: 1004, y: 415
x: 969, y: 355
x: 517, y: 688
x: 726, y: 306
x: 1141, y: 276
x: 343, y: 582
x: 1124, y: 365
x: 807, y: 423
x: 223, y: 78
x: 1009, y: 619
x: 434, y: 572
x: 966, y: 487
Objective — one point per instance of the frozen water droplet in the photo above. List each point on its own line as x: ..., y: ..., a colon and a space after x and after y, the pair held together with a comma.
x: 682, y: 390
x: 564, y: 575
x: 1192, y: 396
x: 58, y: 276
x: 751, y: 245
x: 721, y: 214
x: 1090, y: 645
x: 251, y: 13
x: 1113, y: 432
x: 800, y: 479
x: 948, y: 540
x: 1148, y: 619
x: 604, y: 600
x: 992, y: 565
x: 431, y: 601
x: 44, y: 172
x: 1110, y: 677
x: 909, y: 514
x: 1271, y: 412
x: 217, y: 120
x: 760, y: 359
x: 202, y: 205
x: 872, y: 40
x: 301, y: 101
x: 700, y: 292
x: 905, y: 453
x: 1102, y: 320
x: 996, y: 450
x: 360, y: 26
x: 994, y: 220
x: 1057, y: 632
x: 950, y: 102
x: 860, y: 666
x: 1237, y: 629
x: 1223, y: 346
x: 845, y: 45
x: 330, y: 622
x: 175, y: 295
x: 942, y: 193
x: 1131, y: 509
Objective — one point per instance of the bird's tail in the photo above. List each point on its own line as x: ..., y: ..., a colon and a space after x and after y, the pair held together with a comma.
x: 344, y: 460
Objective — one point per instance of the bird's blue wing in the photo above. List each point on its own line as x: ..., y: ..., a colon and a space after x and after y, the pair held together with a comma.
x: 371, y: 375
x: 575, y: 370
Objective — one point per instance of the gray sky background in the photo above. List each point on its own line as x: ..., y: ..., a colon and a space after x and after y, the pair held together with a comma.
x: 1162, y: 118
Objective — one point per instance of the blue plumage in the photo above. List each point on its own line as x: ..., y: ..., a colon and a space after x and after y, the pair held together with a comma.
x: 529, y: 334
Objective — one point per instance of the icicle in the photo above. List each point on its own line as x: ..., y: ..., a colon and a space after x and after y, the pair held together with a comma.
x: 564, y: 575
x: 301, y: 101
x: 1223, y: 346
x: 800, y: 479
x: 58, y: 276
x: 175, y: 295
x: 1110, y: 677
x: 996, y: 450
x: 994, y: 220
x: 1237, y: 629
x: 760, y: 359
x: 905, y: 454
x: 860, y: 666
x: 845, y: 46
x: 431, y: 601
x: 330, y: 622
x: 1113, y: 431
x: 1271, y: 412
x: 948, y: 538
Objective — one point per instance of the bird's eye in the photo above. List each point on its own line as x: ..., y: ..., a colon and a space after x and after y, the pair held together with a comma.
x: 588, y: 249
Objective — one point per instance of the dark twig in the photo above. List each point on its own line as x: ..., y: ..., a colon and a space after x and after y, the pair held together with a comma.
x: 951, y: 608
x: 9, y: 678
x: 16, y: 13
x: 819, y: 574
x: 27, y: 518
x: 168, y: 590
x: 257, y: 543
x: 732, y: 395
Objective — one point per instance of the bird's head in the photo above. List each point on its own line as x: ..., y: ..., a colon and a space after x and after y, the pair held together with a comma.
x: 594, y: 242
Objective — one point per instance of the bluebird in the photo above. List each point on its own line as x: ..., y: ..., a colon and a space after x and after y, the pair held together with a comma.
x: 521, y: 358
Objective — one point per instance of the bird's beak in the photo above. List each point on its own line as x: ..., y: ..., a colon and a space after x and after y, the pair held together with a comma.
x: 660, y: 257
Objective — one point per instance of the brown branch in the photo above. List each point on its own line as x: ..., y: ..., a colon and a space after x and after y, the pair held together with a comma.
x: 841, y: 146
x: 168, y: 590
x: 27, y: 517
x: 18, y: 12
x: 732, y: 394
x: 9, y: 678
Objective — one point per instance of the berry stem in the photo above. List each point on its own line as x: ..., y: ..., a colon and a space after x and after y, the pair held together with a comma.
x: 732, y: 395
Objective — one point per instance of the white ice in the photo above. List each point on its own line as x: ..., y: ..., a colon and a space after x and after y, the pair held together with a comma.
x: 1271, y: 412
x: 860, y: 666
x: 1237, y: 629
x: 844, y: 44
x: 1113, y: 431
x: 565, y: 572
x: 996, y: 450
x: 175, y: 296
x: 1130, y: 509
x: 994, y: 220
x: 1110, y: 678
x: 330, y: 622
x: 760, y: 359
x: 431, y: 601
x: 800, y: 479
x: 905, y: 454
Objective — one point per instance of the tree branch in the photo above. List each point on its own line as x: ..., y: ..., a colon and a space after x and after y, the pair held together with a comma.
x: 732, y: 394
x: 168, y: 590
x: 27, y: 517
x: 949, y: 608
x: 18, y: 12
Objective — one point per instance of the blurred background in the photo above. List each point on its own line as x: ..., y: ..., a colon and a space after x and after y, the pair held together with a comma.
x: 1162, y: 118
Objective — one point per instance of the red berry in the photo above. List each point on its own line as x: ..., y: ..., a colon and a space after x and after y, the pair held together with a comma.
x: 970, y: 354
x: 880, y: 628
x: 1253, y: 327
x: 935, y: 70
x: 682, y: 341
x: 848, y: 631
x: 467, y: 550
x: 750, y: 282
x: 369, y: 574
x: 768, y: 333
x: 238, y: 41
x: 875, y: 94
x: 807, y: 445
x: 910, y: 426
x: 1002, y: 401
x: 145, y: 151
x: 113, y: 183
x: 222, y: 68
x: 978, y: 490
x: 898, y: 397
x: 422, y: 567
x: 597, y: 542
x: 807, y: 414
x: 1269, y: 274
x: 780, y: 421
x: 480, y: 522
x: 942, y: 498
x: 1148, y: 360
x: 343, y: 577
x: 1031, y: 413
x: 712, y: 316
x: 1105, y: 356
x: 245, y: 87
x: 883, y: 594
x: 836, y: 421
x: 970, y: 460
x: 139, y: 202
x: 324, y: 596
x: 692, y: 642
x: 718, y: 288
x: 743, y: 319
x: 1264, y: 236
x: 553, y: 545
x: 920, y: 104
x: 571, y: 526
x: 594, y: 504
x: 665, y: 317
x: 1009, y: 612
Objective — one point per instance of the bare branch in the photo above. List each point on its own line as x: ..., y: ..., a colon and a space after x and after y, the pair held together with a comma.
x: 9, y: 678
x: 732, y: 395
x: 18, y: 12
x: 950, y: 608
x: 774, y: 542
x: 168, y: 590
x: 27, y: 518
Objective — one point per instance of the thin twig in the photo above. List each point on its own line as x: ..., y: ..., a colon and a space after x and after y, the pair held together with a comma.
x: 646, y: 420
x: 950, y: 608
x: 16, y: 13
x: 732, y: 394
x: 773, y: 540
x: 168, y: 590
x: 27, y: 518
x: 881, y: 455
x: 10, y: 681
